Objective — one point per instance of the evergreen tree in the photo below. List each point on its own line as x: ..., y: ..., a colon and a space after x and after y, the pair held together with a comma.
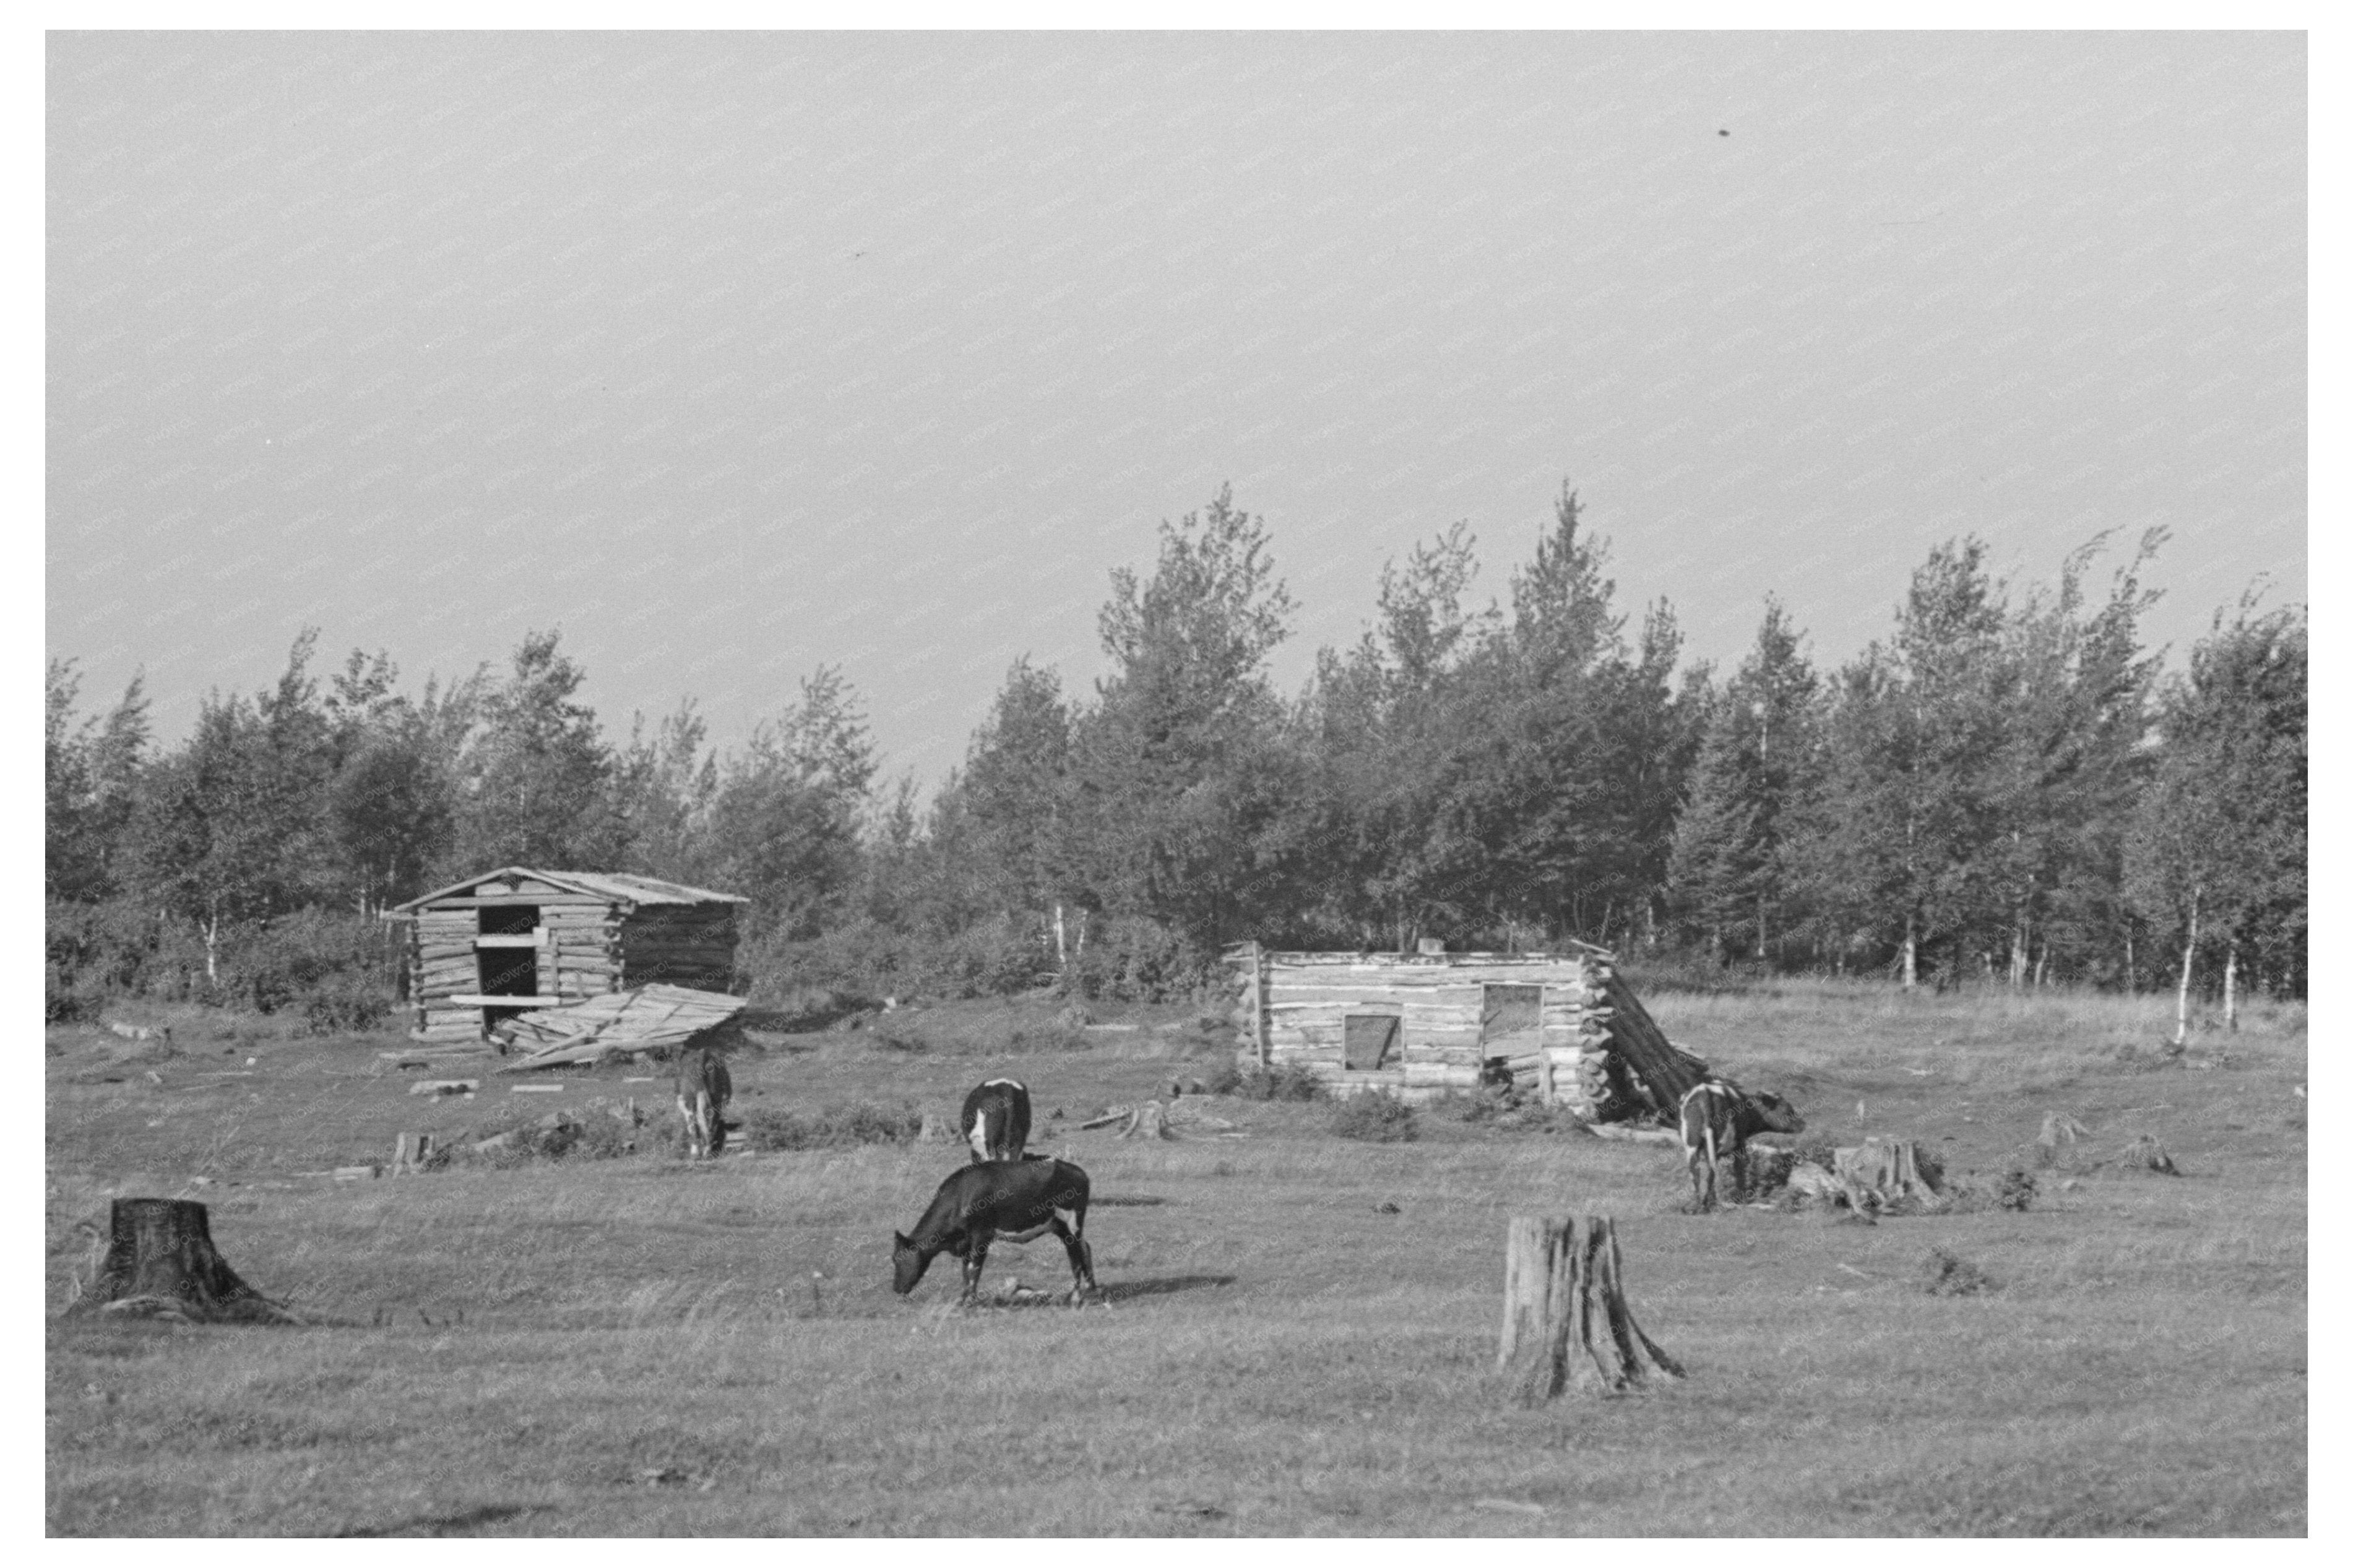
x: 1179, y: 767
x: 1731, y: 868
x: 1003, y: 821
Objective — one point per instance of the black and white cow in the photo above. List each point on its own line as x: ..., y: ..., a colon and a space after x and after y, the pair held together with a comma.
x: 703, y: 1091
x: 1719, y: 1117
x: 1001, y: 1200
x: 996, y: 1119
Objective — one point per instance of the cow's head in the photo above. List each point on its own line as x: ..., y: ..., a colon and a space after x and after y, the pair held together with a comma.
x: 907, y: 1263
x: 1778, y: 1114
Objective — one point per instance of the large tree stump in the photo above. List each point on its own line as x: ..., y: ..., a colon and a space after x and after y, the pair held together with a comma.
x: 1884, y: 1173
x: 1565, y: 1320
x: 160, y: 1262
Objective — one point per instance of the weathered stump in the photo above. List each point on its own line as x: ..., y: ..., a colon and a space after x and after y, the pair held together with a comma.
x: 1883, y: 1173
x: 412, y: 1153
x: 160, y: 1261
x: 1565, y: 1320
x: 2060, y: 1131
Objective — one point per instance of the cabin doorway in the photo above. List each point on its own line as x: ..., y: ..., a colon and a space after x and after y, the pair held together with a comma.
x: 506, y: 956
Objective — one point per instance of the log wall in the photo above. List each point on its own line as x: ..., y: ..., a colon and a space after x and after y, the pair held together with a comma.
x: 1293, y: 1008
x: 587, y: 947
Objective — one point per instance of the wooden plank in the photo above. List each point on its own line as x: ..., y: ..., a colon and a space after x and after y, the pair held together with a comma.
x: 479, y: 1001
x: 510, y: 900
x: 1432, y: 1075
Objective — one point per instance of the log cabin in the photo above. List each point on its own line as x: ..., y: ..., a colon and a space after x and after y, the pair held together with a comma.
x: 485, y: 948
x: 1564, y: 1027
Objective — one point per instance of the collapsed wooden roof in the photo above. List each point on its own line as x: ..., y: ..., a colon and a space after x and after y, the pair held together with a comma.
x: 612, y: 887
x: 654, y: 1019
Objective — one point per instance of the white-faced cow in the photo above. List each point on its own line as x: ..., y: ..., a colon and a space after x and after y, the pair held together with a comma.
x: 996, y: 1119
x: 1719, y: 1117
x: 703, y: 1091
x: 1000, y: 1200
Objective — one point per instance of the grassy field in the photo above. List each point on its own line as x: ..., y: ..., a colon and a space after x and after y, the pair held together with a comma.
x: 639, y: 1346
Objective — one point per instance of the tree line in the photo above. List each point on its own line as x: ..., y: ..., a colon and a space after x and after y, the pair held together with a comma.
x: 2006, y: 789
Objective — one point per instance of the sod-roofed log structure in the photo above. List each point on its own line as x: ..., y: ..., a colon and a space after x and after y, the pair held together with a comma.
x: 489, y: 948
x: 1563, y: 1028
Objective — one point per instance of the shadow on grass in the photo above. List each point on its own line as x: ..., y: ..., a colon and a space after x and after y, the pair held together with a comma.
x: 1109, y: 1203
x: 1135, y: 1290
x: 443, y: 1523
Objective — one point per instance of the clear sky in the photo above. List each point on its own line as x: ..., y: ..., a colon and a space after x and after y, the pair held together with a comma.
x: 732, y: 355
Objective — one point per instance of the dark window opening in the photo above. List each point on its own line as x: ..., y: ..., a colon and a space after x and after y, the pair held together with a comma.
x: 1368, y: 1039
x: 510, y: 919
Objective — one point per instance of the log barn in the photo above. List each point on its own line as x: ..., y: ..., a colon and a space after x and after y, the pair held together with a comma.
x: 485, y: 948
x: 1565, y: 1027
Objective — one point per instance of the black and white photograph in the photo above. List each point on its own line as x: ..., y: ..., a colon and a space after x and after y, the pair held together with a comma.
x: 1248, y: 782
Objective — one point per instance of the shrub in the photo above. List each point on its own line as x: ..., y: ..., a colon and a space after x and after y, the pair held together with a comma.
x: 1817, y: 1148
x: 1375, y: 1116
x: 1129, y: 959
x: 1943, y: 1274
x: 769, y: 1128
x: 1288, y: 1082
x: 345, y: 1005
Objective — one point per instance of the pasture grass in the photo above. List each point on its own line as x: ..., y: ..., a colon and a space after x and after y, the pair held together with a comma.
x: 641, y: 1345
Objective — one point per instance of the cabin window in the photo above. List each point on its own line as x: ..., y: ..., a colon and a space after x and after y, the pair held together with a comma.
x: 1511, y: 1020
x: 1369, y: 1040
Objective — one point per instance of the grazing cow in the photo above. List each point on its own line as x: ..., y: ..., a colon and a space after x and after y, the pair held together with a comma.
x: 703, y: 1091
x: 1009, y: 1200
x: 1719, y: 1117
x: 996, y: 1119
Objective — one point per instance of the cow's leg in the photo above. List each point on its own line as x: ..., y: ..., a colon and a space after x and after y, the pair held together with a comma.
x: 1083, y: 1261
x: 693, y: 1128
x: 976, y: 1254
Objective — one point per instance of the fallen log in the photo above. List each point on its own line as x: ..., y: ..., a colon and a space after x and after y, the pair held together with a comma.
x: 1660, y: 1136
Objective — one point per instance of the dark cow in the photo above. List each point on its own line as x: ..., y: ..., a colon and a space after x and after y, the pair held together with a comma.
x: 703, y: 1091
x: 1719, y: 1117
x: 996, y: 1119
x: 1009, y: 1200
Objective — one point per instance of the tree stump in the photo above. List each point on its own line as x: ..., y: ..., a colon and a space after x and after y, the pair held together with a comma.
x: 2060, y: 1131
x: 160, y: 1262
x: 1565, y: 1320
x: 412, y: 1153
x: 1884, y: 1172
